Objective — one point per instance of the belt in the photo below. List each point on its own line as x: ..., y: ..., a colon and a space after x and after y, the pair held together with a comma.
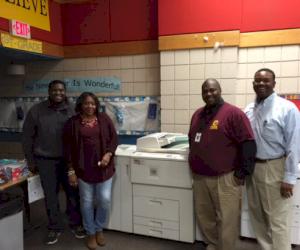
x: 266, y: 160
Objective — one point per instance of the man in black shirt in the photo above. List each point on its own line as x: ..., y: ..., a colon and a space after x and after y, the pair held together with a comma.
x: 42, y: 145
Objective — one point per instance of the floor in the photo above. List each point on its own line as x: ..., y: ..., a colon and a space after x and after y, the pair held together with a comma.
x: 36, y: 230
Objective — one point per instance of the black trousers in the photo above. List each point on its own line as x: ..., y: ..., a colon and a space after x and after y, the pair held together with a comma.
x: 53, y: 174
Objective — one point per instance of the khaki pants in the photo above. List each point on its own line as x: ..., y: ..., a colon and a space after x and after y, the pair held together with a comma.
x: 269, y: 211
x: 217, y: 205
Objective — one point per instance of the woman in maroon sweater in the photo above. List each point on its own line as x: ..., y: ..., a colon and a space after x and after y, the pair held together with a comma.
x: 90, y: 141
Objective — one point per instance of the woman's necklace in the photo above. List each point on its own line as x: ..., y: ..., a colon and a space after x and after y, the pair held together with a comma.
x: 88, y: 122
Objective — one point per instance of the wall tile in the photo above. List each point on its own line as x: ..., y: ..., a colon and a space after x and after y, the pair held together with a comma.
x: 273, y: 54
x: 240, y: 101
x: 255, y: 55
x: 290, y: 52
x: 153, y: 88
x: 195, y: 86
x: 152, y: 60
x: 197, y: 56
x: 127, y: 75
x: 114, y: 62
x: 167, y: 72
x: 181, y: 129
x: 249, y: 86
x: 74, y: 64
x: 139, y: 75
x: 167, y: 116
x: 289, y: 68
x: 252, y: 68
x: 212, y: 70
x: 115, y: 73
x: 139, y: 61
x: 289, y: 85
x: 126, y: 62
x: 167, y: 128
x: 103, y: 73
x: 250, y: 98
x: 182, y: 72
x: 229, y: 54
x: 152, y: 74
x: 243, y: 55
x: 242, y: 70
x: 139, y: 88
x: 212, y: 56
x: 91, y: 63
x: 197, y: 71
x: 275, y: 66
x: 196, y: 101
x: 228, y: 70
x: 229, y: 98
x: 182, y: 87
x: 127, y: 88
x: 241, y: 86
x: 89, y: 73
x: 167, y: 58
x: 102, y: 63
x: 167, y: 87
x: 182, y: 117
x: 167, y: 102
x: 182, y: 57
x: 182, y: 101
x: 228, y: 86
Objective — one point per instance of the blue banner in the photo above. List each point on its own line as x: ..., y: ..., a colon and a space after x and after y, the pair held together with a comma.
x: 90, y: 84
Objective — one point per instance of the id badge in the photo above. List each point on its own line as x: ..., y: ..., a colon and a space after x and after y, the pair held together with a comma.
x: 198, y: 137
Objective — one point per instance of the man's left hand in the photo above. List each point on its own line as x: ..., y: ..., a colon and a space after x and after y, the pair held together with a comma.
x: 286, y: 190
x: 238, y: 181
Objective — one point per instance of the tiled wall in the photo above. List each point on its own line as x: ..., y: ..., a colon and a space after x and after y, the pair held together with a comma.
x: 175, y: 75
x: 183, y: 72
x: 139, y: 74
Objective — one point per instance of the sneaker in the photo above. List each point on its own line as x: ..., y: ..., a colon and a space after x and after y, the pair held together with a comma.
x: 52, y: 237
x: 79, y: 232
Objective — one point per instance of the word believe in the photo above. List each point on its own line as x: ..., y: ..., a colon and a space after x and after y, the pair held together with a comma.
x: 38, y: 6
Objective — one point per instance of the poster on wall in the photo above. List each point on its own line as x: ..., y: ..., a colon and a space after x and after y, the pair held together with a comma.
x: 35, y: 13
x: 76, y: 85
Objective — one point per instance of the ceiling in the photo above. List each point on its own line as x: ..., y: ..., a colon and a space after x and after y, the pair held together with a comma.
x: 21, y: 56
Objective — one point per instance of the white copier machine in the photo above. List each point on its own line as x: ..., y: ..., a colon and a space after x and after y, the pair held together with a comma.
x: 162, y: 187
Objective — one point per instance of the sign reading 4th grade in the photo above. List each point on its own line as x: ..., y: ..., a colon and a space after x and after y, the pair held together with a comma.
x: 93, y: 84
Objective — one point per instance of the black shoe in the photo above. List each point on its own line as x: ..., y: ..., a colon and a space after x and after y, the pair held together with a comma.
x: 52, y: 237
x: 79, y: 232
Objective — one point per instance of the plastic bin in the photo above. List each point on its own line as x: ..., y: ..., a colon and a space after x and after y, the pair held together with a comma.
x: 11, y: 221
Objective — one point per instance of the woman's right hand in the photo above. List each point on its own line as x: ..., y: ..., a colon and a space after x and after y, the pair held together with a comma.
x: 73, y: 181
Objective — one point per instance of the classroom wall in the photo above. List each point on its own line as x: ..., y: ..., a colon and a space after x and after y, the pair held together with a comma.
x: 196, y: 16
x: 139, y: 74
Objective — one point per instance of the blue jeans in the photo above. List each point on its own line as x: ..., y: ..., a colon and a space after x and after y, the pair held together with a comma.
x: 95, y: 200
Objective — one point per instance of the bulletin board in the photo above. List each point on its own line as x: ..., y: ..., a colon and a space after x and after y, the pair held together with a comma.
x: 130, y: 115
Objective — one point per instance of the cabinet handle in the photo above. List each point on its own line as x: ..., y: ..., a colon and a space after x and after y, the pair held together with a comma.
x: 156, y: 222
x: 151, y: 231
x: 156, y: 202
x: 127, y: 170
x: 138, y: 162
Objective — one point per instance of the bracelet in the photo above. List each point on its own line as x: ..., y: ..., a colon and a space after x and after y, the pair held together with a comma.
x: 71, y: 172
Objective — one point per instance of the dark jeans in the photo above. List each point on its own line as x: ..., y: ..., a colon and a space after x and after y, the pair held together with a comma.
x: 53, y: 173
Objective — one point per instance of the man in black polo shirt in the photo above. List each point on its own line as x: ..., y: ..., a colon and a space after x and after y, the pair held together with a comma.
x: 222, y: 152
x: 42, y: 145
